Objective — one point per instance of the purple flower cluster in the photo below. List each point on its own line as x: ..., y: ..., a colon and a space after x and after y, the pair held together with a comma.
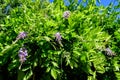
x: 22, y: 54
x: 58, y: 37
x: 109, y: 52
x: 23, y: 51
x: 21, y: 35
x: 66, y: 14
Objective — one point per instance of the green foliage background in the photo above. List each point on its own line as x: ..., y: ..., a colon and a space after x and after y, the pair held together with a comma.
x: 85, y: 35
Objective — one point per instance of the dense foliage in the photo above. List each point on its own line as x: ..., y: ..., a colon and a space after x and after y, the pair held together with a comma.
x: 40, y: 40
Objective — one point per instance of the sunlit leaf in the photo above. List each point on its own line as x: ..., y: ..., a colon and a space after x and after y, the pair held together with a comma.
x: 55, y: 64
x: 53, y: 73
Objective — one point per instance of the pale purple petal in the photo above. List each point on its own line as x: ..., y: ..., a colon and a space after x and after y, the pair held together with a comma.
x: 66, y: 14
x: 109, y: 52
x: 22, y: 35
x: 58, y: 36
x: 22, y: 54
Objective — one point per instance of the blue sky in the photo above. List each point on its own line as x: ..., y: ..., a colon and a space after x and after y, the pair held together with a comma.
x: 107, y: 2
x: 103, y: 2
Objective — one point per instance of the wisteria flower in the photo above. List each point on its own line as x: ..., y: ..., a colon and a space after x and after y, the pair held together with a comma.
x: 66, y: 14
x: 109, y: 52
x: 21, y: 35
x: 22, y: 56
x: 58, y: 37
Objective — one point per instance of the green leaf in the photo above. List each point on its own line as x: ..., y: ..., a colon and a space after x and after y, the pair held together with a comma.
x: 100, y: 69
x: 83, y: 58
x: 28, y: 75
x: 55, y: 64
x: 54, y: 73
x: 76, y: 53
x: 71, y: 65
x: 84, y: 0
x: 8, y: 49
x: 48, y: 69
x: 21, y: 75
x: 46, y: 38
x: 25, y: 68
x: 117, y: 74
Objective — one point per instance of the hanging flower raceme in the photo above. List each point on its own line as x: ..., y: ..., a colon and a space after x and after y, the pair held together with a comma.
x: 66, y: 14
x: 109, y: 52
x: 21, y: 35
x: 22, y: 56
x: 58, y: 38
